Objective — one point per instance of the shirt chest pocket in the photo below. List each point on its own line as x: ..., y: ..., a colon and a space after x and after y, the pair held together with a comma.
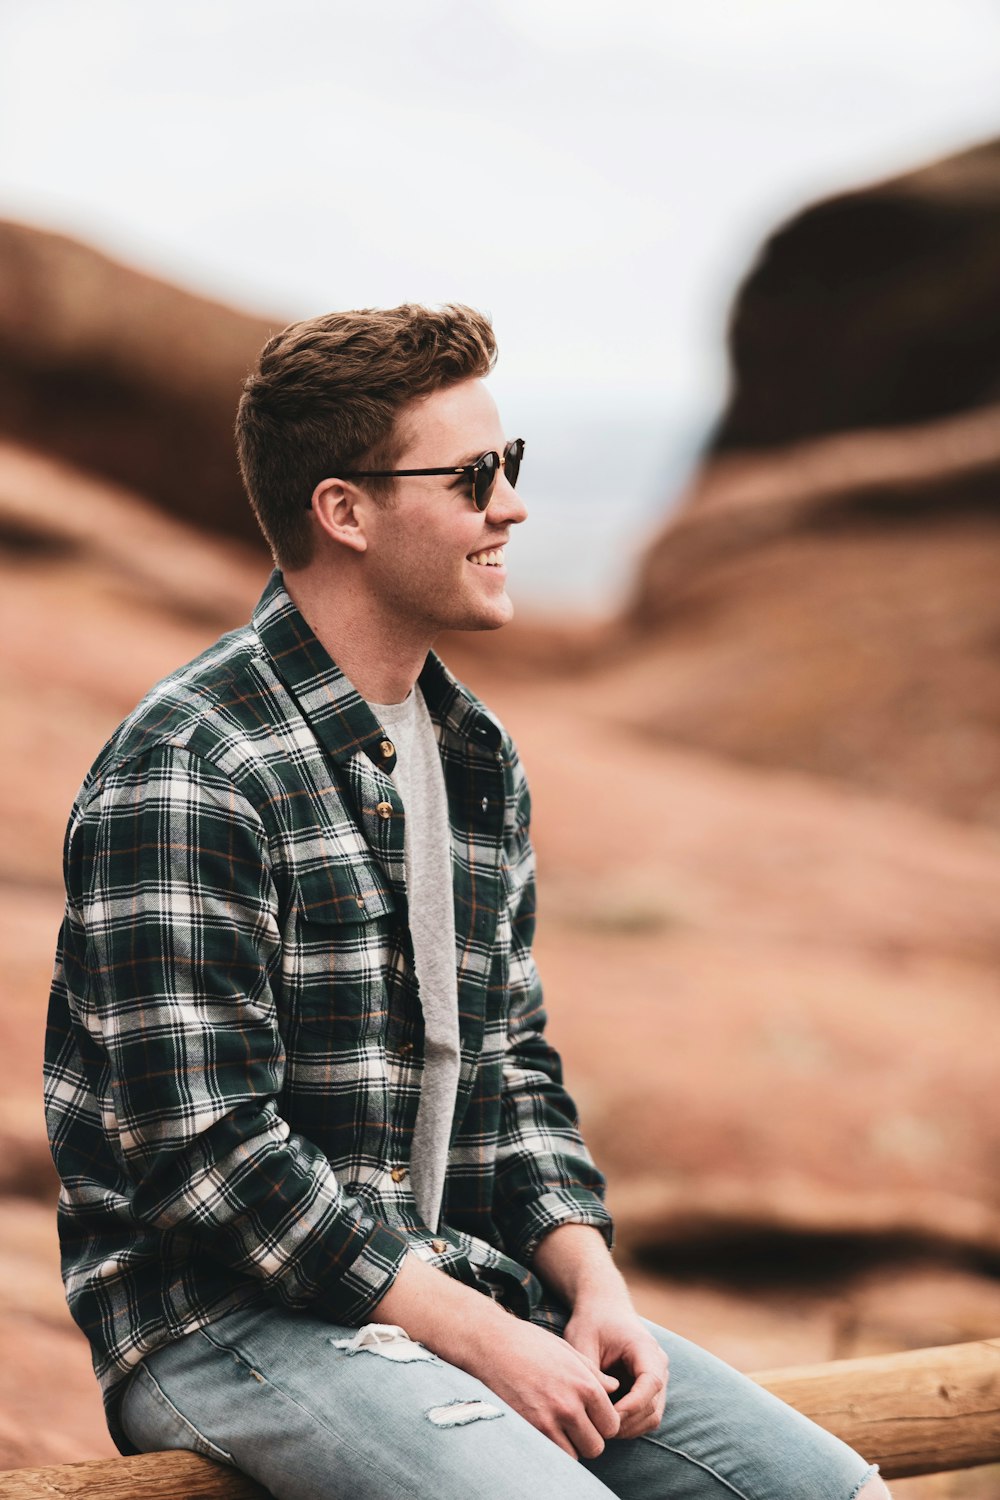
x: 343, y: 946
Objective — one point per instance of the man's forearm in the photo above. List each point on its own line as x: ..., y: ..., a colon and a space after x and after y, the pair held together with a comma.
x: 574, y: 1261
x: 451, y: 1319
x: 448, y: 1316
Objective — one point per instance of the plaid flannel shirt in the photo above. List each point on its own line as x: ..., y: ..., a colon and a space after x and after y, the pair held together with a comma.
x: 235, y: 1037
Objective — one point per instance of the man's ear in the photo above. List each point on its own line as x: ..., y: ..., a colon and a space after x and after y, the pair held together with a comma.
x: 341, y: 510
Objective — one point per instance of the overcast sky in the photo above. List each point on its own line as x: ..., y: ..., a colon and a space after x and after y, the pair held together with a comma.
x: 595, y: 176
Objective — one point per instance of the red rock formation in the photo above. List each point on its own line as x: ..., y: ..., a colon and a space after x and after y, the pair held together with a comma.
x: 124, y: 375
x: 828, y: 603
x: 829, y: 609
x: 875, y: 307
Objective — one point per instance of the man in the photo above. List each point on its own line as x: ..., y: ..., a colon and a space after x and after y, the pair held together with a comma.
x: 314, y: 1143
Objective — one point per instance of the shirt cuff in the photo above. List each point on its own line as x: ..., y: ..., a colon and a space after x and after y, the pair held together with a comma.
x: 348, y: 1296
x: 561, y: 1206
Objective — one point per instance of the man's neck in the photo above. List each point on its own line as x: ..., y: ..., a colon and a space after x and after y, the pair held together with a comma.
x: 365, y: 641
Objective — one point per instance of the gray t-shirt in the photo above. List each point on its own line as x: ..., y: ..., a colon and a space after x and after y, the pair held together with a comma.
x: 419, y: 779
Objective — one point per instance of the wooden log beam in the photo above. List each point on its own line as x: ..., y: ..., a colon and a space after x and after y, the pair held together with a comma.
x: 151, y: 1476
x: 922, y: 1412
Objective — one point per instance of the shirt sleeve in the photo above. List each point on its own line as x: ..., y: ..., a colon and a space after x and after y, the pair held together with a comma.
x: 172, y: 941
x: 545, y: 1173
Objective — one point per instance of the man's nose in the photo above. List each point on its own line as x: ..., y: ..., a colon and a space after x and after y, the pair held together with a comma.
x: 506, y: 505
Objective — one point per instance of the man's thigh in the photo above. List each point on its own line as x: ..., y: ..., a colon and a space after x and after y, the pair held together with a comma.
x: 275, y: 1395
x: 291, y: 1402
x: 722, y: 1435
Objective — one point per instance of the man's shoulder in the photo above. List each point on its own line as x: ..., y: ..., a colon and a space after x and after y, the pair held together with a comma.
x: 209, y: 708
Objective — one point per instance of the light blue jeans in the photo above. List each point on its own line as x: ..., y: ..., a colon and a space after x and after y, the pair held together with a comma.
x: 273, y: 1394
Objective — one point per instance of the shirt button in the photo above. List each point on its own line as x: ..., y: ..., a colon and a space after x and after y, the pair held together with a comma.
x: 387, y: 749
x: 397, y: 1174
x: 485, y: 803
x: 384, y: 810
x: 439, y: 1246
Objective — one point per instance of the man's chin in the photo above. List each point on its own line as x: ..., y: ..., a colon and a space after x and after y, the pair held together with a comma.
x: 492, y: 620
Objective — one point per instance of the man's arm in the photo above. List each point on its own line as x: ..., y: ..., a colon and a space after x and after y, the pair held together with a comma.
x: 551, y: 1383
x: 545, y: 1176
x: 169, y: 944
x: 604, y: 1327
x: 549, y: 1199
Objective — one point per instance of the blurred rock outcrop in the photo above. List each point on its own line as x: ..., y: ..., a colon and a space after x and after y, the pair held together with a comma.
x: 872, y: 308
x: 124, y: 375
x: 828, y: 602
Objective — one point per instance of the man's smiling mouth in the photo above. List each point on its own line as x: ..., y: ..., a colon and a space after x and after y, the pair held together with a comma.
x: 489, y: 557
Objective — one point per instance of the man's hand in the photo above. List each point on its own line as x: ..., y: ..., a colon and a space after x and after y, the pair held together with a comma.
x: 553, y: 1385
x: 612, y: 1338
x: 604, y: 1326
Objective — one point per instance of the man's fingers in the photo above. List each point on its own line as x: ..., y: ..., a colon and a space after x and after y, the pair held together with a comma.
x: 603, y: 1416
x: 643, y: 1398
x: 644, y: 1420
x: 557, y: 1436
x: 587, y: 1436
x: 648, y: 1385
x: 588, y: 1350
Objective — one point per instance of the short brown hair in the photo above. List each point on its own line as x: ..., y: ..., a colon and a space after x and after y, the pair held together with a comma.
x: 325, y: 397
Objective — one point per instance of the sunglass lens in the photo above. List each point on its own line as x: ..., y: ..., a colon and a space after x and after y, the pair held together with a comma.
x: 484, y: 479
x: 512, y: 455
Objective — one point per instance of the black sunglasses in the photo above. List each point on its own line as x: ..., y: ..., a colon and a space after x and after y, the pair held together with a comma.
x: 482, y: 474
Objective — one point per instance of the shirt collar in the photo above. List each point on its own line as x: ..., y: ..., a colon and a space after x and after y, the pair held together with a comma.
x: 335, y: 710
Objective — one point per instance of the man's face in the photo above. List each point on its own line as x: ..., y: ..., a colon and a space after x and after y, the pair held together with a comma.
x: 427, y: 557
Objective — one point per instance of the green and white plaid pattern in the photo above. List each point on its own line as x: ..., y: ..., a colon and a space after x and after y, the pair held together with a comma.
x: 235, y: 1037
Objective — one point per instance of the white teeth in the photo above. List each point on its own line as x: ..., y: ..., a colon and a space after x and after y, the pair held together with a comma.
x: 491, y: 559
